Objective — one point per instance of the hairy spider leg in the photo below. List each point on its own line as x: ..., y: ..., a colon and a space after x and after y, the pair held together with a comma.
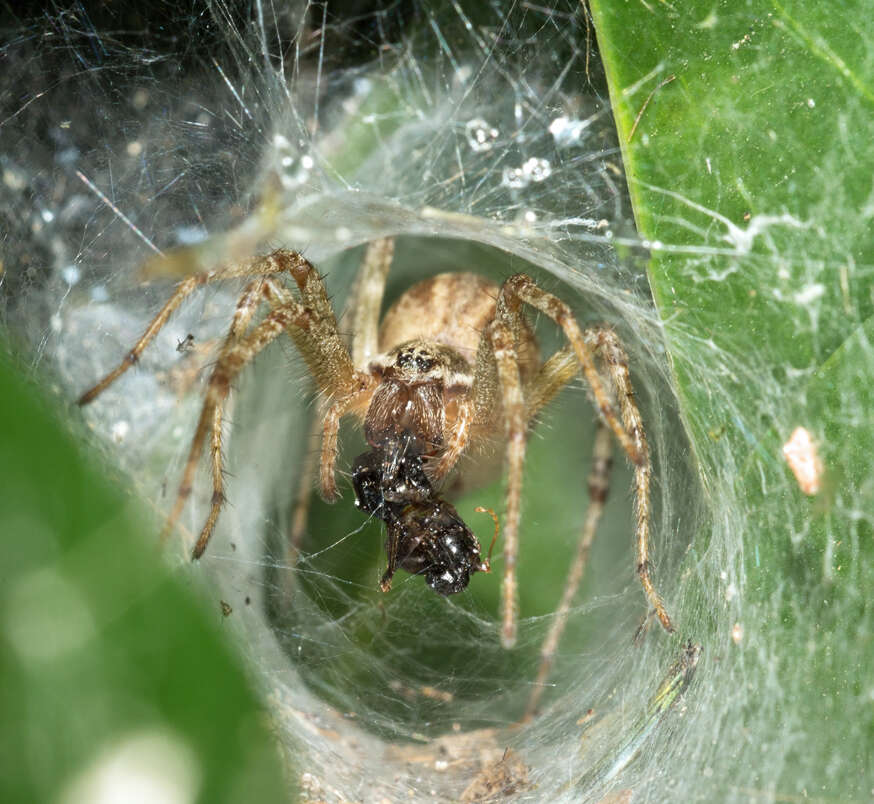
x: 554, y: 374
x: 245, y: 310
x: 225, y: 371
x: 330, y: 448
x: 607, y: 345
x: 313, y: 327
x: 303, y: 494
x: 275, y: 263
x: 367, y: 301
x: 364, y: 307
x: 561, y: 368
x: 330, y: 364
x: 504, y: 349
x: 502, y: 335
x: 599, y: 487
x: 310, y: 323
x: 526, y: 290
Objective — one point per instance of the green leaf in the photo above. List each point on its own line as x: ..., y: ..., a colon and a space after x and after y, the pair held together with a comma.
x: 750, y: 174
x: 113, y: 673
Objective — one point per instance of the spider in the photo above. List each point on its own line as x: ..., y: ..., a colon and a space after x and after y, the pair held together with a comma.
x: 452, y: 362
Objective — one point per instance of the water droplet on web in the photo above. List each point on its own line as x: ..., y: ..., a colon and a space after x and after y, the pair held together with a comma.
x: 514, y: 178
x: 189, y: 235
x: 480, y: 135
x: 537, y: 169
x: 71, y: 274
x: 534, y: 170
x: 566, y: 131
x: 293, y: 167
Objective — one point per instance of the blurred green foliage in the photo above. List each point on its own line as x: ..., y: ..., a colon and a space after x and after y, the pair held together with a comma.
x: 112, y: 672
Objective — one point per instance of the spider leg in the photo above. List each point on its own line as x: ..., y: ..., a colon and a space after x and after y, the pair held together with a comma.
x: 504, y: 349
x: 318, y: 340
x: 496, y: 396
x: 607, y: 345
x: 236, y: 356
x: 277, y: 262
x: 503, y: 338
x: 301, y: 508
x: 524, y: 289
x: 370, y: 288
x: 218, y: 496
x: 246, y: 307
x: 329, y: 362
x: 330, y: 449
x: 364, y: 306
x: 599, y: 487
x: 554, y: 374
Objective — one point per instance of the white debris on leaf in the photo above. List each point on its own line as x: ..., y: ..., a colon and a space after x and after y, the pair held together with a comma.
x: 737, y: 633
x: 804, y: 461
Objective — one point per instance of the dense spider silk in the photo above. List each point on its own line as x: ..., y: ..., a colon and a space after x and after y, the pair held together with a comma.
x: 455, y: 121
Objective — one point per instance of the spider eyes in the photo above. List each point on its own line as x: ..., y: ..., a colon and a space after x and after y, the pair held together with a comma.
x: 415, y: 360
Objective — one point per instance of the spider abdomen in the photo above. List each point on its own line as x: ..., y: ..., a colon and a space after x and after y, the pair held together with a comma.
x: 447, y: 309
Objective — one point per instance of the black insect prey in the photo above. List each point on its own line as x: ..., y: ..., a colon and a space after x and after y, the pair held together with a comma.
x: 424, y: 534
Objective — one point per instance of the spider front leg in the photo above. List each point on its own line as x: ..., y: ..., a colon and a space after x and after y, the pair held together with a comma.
x: 311, y: 324
x: 496, y: 396
x: 364, y: 308
x: 246, y: 307
x: 503, y: 339
x: 275, y: 263
x: 313, y: 328
x: 629, y: 430
x: 234, y: 357
x: 330, y: 365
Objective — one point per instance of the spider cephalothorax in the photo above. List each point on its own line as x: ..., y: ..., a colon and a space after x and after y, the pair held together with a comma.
x: 453, y: 366
x: 414, y: 381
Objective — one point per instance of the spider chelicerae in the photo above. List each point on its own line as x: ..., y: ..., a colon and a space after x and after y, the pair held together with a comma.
x: 452, y: 363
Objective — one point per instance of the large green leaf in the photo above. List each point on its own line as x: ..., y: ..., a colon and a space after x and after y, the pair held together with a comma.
x: 116, y: 683
x: 750, y: 173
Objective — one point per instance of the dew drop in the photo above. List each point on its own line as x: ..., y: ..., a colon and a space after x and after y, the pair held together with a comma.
x: 537, y: 169
x: 566, y: 131
x: 480, y: 135
x: 71, y: 274
x: 514, y: 178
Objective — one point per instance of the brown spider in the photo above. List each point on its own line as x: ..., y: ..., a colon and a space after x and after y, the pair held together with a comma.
x: 453, y: 362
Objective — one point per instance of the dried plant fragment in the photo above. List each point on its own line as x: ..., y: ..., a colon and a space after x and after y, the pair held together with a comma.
x: 801, y: 454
